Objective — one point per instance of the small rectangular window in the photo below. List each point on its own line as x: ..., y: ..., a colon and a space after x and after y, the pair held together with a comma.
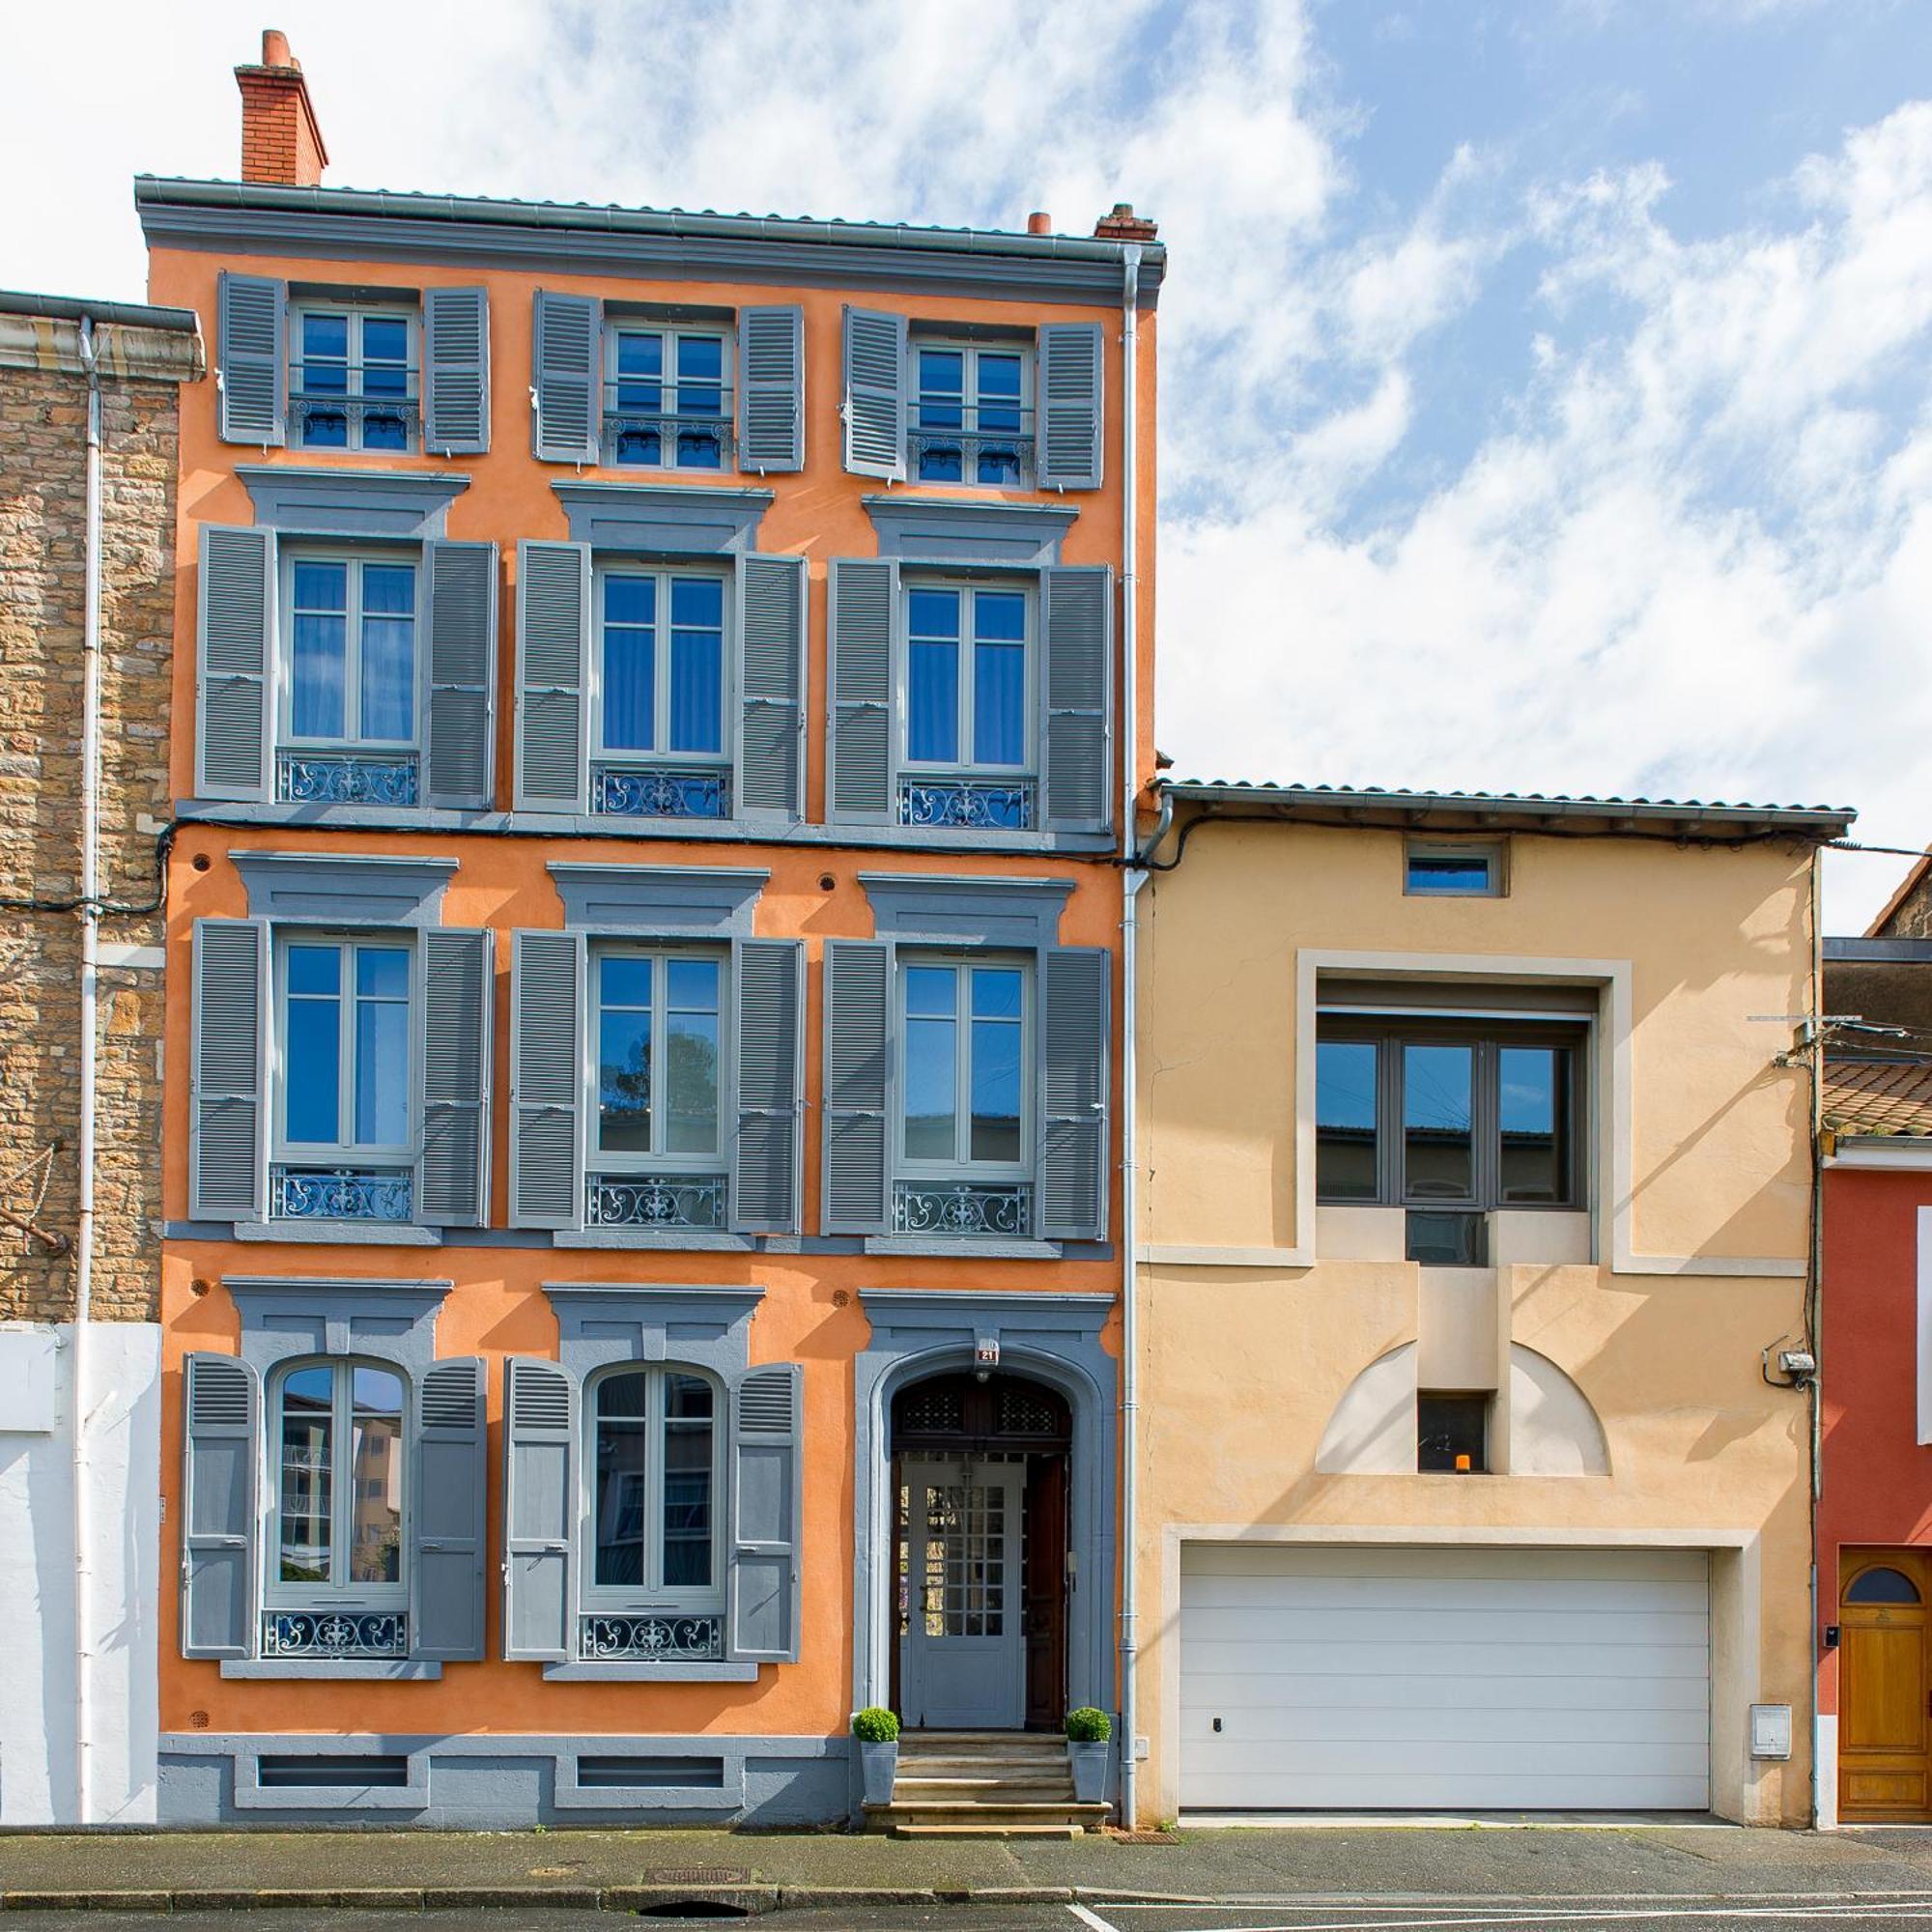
x: 1470, y: 869
x: 1452, y: 1433
x: 1439, y: 1238
x: 972, y: 413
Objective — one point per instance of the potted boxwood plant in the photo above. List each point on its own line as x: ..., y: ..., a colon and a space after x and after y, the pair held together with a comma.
x: 1088, y: 1732
x: 878, y: 1733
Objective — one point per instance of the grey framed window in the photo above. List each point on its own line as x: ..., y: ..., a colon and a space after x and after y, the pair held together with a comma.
x: 968, y: 754
x: 972, y: 413
x: 354, y: 377
x: 1449, y: 1116
x: 1455, y: 868
x: 1452, y: 1433
x: 667, y: 396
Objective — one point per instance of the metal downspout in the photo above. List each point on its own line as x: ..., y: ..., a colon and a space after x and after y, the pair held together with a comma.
x: 1132, y: 878
x: 90, y: 921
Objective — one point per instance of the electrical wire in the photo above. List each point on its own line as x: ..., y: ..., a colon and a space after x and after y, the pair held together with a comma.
x: 120, y: 908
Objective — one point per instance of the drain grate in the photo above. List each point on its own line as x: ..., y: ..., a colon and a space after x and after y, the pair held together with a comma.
x: 1144, y: 1838
x: 699, y: 1875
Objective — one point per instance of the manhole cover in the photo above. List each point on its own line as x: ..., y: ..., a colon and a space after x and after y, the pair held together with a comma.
x: 705, y: 1875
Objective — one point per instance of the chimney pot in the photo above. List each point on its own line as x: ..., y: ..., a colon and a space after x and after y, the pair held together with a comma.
x: 1125, y: 225
x: 1040, y: 223
x: 275, y: 48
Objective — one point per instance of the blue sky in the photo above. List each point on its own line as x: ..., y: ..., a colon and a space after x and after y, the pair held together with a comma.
x: 1547, y: 386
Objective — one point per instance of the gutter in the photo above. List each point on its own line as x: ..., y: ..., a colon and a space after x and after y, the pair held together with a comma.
x: 1878, y: 1153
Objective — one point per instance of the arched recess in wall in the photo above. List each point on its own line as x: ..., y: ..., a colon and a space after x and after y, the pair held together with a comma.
x: 1553, y: 1429
x: 1372, y: 1431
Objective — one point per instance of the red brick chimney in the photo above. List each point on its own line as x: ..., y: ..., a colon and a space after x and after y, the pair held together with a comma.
x: 1125, y: 225
x: 280, y: 140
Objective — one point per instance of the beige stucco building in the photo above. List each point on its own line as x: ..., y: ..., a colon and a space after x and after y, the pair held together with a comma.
x: 1474, y: 1194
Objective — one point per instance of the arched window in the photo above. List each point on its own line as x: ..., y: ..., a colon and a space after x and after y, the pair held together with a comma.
x: 654, y: 1490
x: 1881, y: 1585
x: 336, y: 1463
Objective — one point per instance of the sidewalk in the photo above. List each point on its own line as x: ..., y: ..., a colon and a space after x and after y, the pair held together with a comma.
x: 626, y: 1870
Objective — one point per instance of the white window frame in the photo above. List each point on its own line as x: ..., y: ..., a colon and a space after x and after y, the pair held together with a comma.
x: 355, y: 557
x: 408, y: 403
x: 347, y: 1594
x: 670, y: 334
x: 315, y: 1153
x: 664, y: 573
x: 970, y: 350
x: 963, y: 1166
x: 621, y: 1163
x: 1027, y: 589
x: 652, y: 1594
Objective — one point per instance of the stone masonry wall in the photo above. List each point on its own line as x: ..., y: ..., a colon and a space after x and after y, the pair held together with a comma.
x: 42, y: 534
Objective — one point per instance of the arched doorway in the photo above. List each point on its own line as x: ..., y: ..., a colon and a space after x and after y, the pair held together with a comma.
x: 980, y: 1551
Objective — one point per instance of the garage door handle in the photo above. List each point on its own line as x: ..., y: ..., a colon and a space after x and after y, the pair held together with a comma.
x: 1217, y: 1723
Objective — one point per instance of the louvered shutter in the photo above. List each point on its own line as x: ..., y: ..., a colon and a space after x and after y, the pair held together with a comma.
x: 539, y: 1508
x: 766, y: 1448
x: 458, y: 996
x: 461, y: 673
x: 771, y: 630
x: 1073, y: 1163
x: 546, y: 1034
x: 228, y: 1124
x: 858, y: 1062
x: 1077, y: 693
x: 770, y: 388
x: 874, y: 409
x: 553, y: 653
x: 222, y: 1405
x: 456, y: 371
x: 251, y: 359
x: 235, y: 635
x: 565, y: 382
x: 864, y: 604
x: 447, y: 1532
x: 765, y: 1172
x: 1070, y: 411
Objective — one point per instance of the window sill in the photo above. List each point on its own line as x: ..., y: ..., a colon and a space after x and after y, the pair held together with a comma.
x: 667, y: 1240
x: 393, y: 1669
x: 964, y: 1247
x: 650, y: 1673
x: 342, y: 1234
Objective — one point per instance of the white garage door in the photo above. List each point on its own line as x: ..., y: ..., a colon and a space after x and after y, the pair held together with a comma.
x: 1467, y: 1680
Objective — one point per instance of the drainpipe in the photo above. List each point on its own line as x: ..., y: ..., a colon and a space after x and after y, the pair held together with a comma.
x: 90, y: 919
x: 1132, y: 879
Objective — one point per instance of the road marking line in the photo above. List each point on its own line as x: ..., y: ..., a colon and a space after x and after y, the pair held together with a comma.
x: 1093, y: 1920
x: 1823, y: 1910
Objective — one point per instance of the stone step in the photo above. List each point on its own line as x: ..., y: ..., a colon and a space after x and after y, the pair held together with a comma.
x: 1064, y: 1832
x: 970, y: 1790
x: 942, y: 1812
x: 1033, y: 1764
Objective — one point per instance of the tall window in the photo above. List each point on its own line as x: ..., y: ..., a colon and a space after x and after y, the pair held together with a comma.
x: 353, y: 381
x: 345, y: 1038
x: 654, y: 1503
x: 352, y: 658
x: 966, y: 676
x: 666, y: 397
x: 658, y: 1057
x: 973, y: 413
x: 965, y: 1033
x: 661, y: 663
x: 339, y: 1475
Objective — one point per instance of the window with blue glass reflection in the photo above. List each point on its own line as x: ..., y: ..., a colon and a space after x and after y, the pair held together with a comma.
x: 971, y: 414
x: 345, y: 1045
x: 659, y: 1048
x: 338, y: 1483
x: 1453, y: 869
x: 654, y: 1482
x: 661, y: 663
x: 352, y: 656
x: 966, y: 677
x: 666, y: 397
x: 964, y: 1032
x: 1347, y: 1109
x: 353, y: 384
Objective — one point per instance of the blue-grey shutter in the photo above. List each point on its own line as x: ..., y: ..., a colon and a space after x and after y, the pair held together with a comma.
x: 1077, y: 697
x: 566, y: 377
x: 766, y: 1450
x: 864, y: 622
x: 222, y: 1405
x: 770, y: 388
x: 447, y: 1531
x: 461, y: 673
x: 456, y: 371
x: 251, y: 359
x: 1071, y: 413
x: 858, y: 1062
x: 1074, y: 1164
x: 771, y: 630
x: 229, y: 1102
x: 874, y: 409
x: 765, y: 1172
x: 539, y: 1508
x: 546, y: 1034
x: 459, y: 989
x: 235, y: 646
x: 552, y: 652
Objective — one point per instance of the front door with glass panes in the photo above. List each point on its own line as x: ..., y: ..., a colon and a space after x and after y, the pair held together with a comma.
x: 666, y: 397
x: 968, y: 751
x: 337, y: 1584
x: 963, y: 1666
x: 353, y: 381
x: 972, y: 413
x: 661, y: 695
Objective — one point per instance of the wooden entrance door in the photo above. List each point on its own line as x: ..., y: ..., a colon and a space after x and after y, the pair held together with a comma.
x: 1885, y: 1721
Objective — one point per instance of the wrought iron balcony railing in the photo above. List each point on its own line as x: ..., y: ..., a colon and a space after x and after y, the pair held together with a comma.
x: 655, y: 1199
x: 661, y: 791
x: 954, y: 800
x: 991, y: 444
x: 341, y: 1193
x: 347, y: 778
x: 335, y: 1634
x: 658, y: 1637
x: 963, y: 1207
x: 639, y: 428
x: 325, y: 421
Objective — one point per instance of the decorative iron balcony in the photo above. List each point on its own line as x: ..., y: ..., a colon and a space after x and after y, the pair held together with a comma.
x: 325, y: 421
x: 660, y: 1637
x: 992, y: 444
x: 655, y: 1200
x: 347, y: 778
x: 656, y: 437
x: 335, y: 1634
x: 964, y: 1207
x: 954, y: 802
x: 341, y: 1194
x: 661, y: 791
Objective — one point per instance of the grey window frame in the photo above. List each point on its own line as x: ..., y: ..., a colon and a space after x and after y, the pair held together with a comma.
x: 607, y: 563
x: 347, y: 1595
x: 652, y: 1594
x: 288, y: 555
x: 670, y: 331
x: 969, y: 348
x: 1024, y: 585
x: 963, y: 1167
x: 1495, y: 853
x: 1486, y: 1037
x: 601, y: 1160
x: 410, y: 403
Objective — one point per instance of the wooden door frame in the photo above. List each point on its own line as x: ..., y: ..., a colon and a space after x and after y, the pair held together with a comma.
x: 1914, y: 1562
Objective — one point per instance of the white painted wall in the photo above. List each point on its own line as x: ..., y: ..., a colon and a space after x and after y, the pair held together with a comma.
x: 37, y: 1572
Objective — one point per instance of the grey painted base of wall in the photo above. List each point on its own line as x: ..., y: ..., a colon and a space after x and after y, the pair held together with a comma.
x: 507, y: 1782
